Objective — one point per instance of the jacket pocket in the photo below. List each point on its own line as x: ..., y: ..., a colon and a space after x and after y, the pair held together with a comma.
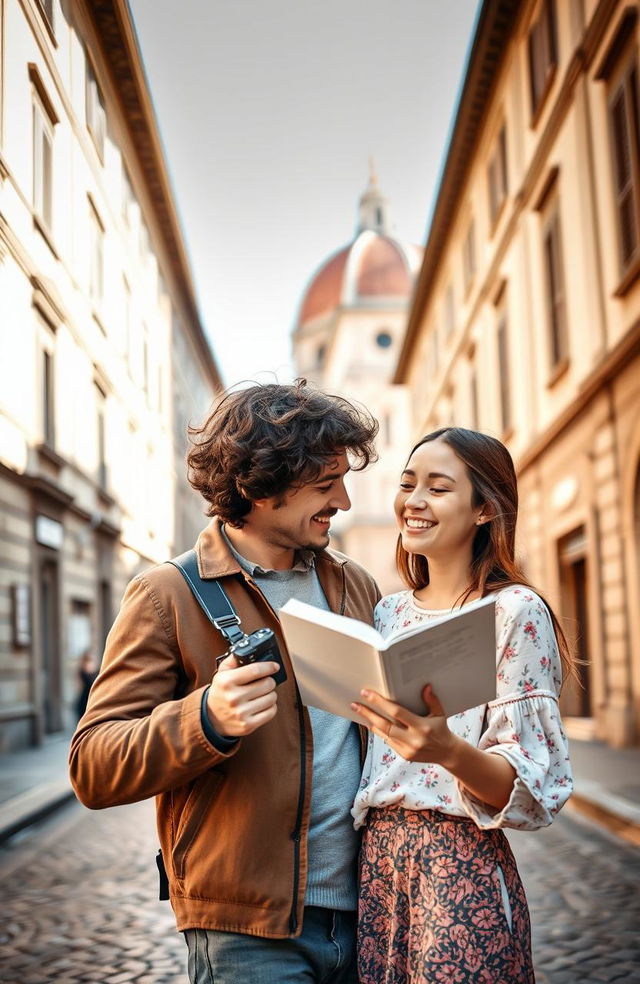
x: 198, y: 803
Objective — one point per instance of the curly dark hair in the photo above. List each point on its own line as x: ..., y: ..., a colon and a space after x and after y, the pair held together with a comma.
x: 261, y: 441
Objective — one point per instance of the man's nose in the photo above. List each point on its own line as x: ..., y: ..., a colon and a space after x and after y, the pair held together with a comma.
x: 341, y: 499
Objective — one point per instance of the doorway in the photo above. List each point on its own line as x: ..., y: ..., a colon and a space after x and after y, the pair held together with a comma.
x: 577, y: 695
x: 50, y: 673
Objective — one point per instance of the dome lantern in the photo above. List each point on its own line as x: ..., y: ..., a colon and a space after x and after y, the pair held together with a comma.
x: 373, y: 208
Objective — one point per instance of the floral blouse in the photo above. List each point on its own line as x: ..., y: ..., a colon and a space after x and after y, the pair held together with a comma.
x: 523, y: 725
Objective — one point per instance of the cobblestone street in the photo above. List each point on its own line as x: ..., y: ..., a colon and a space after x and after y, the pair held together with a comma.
x: 79, y: 903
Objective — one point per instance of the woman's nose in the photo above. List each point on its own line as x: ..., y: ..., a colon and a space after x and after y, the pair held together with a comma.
x: 417, y: 499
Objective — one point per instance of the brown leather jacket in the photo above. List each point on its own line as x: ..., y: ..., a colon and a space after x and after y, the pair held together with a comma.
x: 233, y: 828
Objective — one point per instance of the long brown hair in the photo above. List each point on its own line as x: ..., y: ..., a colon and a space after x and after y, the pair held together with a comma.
x: 493, y: 562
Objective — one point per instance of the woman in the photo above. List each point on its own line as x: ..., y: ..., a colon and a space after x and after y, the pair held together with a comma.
x: 441, y: 898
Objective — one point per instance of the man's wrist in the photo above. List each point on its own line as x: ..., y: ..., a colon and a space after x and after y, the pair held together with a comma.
x: 220, y: 742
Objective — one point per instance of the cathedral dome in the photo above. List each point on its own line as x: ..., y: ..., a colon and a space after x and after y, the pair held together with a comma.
x: 373, y: 269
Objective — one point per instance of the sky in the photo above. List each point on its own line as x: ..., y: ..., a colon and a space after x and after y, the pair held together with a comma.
x: 269, y: 114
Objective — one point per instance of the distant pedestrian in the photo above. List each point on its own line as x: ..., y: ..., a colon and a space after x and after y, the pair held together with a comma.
x: 87, y: 673
x: 440, y: 896
x: 253, y: 790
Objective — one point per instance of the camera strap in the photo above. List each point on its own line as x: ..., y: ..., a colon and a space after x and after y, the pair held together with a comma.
x: 211, y: 597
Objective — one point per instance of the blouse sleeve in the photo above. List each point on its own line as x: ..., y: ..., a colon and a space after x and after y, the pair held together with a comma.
x: 523, y: 723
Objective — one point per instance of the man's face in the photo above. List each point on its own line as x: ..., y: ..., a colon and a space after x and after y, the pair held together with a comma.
x: 301, y: 518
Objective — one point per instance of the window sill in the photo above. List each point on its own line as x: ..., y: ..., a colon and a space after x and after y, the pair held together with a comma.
x: 48, y: 25
x: 98, y: 320
x: 537, y: 112
x: 45, y: 232
x: 557, y: 372
x: 105, y: 497
x: 628, y: 279
x: 46, y: 451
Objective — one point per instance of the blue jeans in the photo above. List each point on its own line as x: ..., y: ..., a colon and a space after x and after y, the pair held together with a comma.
x: 324, y: 953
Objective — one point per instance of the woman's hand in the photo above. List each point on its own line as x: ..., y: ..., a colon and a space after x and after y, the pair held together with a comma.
x: 416, y: 738
x: 488, y: 777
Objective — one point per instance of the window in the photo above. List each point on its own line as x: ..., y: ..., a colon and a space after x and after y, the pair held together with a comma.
x: 387, y: 429
x: 449, y: 312
x: 145, y: 361
x: 555, y: 286
x: 96, y: 256
x: 96, y: 113
x: 47, y: 8
x: 47, y: 381
x: 504, y: 366
x: 473, y: 392
x: 469, y: 255
x: 625, y: 148
x: 101, y: 436
x: 497, y: 177
x: 145, y: 246
x: 384, y: 339
x: 434, y: 355
x: 126, y: 318
x: 48, y: 399
x: 128, y: 198
x: 42, y: 163
x: 543, y: 54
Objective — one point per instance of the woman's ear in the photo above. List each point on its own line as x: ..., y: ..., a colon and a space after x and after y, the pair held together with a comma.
x: 484, y: 516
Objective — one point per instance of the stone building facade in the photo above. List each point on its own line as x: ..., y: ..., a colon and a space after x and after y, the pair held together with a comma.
x: 526, y: 321
x: 103, y: 357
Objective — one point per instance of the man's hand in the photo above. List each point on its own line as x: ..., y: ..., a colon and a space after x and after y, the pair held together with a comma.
x: 242, y: 698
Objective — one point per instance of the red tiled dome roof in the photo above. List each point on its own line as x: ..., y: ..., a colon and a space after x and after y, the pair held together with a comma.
x: 325, y: 290
x: 373, y: 265
x: 383, y: 270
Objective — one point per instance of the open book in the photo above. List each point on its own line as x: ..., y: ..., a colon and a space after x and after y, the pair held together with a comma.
x: 335, y: 657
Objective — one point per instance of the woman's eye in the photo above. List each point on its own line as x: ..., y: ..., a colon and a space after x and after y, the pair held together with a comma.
x: 406, y: 486
x: 433, y: 489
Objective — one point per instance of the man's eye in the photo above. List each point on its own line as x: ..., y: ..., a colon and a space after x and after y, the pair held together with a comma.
x: 324, y: 488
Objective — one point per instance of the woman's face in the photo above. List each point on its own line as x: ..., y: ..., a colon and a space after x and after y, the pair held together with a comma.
x: 433, y: 503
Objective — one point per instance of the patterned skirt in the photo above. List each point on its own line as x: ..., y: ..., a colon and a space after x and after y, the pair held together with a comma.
x: 440, y: 901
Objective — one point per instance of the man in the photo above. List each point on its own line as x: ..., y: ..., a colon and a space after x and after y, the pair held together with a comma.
x: 253, y: 789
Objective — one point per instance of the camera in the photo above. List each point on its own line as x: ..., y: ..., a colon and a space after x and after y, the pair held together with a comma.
x: 260, y: 646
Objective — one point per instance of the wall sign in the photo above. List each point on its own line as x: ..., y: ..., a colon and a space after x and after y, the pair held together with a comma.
x: 49, y: 532
x: 21, y: 615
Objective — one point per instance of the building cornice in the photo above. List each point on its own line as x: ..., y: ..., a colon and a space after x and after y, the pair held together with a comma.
x: 493, y: 33
x: 114, y: 26
x: 494, y: 28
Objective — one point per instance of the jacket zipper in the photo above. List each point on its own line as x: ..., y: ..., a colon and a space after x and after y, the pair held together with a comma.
x: 295, y: 836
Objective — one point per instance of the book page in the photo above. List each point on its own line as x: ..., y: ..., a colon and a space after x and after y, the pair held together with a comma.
x: 330, y: 666
x: 456, y: 655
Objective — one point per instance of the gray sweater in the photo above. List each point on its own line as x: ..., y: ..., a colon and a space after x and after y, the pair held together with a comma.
x: 333, y: 843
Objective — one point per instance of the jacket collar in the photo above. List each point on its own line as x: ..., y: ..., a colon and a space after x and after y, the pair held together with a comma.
x: 215, y: 559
